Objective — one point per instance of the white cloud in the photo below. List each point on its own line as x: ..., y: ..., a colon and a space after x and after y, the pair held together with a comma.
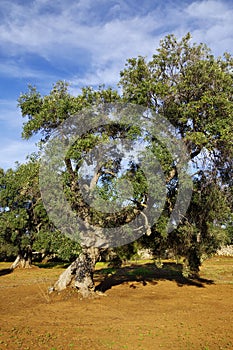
x: 19, y: 70
x: 14, y: 150
x: 9, y: 114
x: 208, y: 9
x: 108, y: 76
x: 12, y: 147
x: 87, y: 42
x: 212, y: 24
x: 57, y: 31
x: 30, y: 31
x: 34, y: 28
x: 63, y: 36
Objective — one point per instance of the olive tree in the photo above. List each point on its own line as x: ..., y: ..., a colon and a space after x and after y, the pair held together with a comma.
x: 192, y: 90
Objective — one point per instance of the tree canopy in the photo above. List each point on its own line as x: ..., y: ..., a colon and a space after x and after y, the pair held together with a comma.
x: 24, y: 223
x: 193, y: 90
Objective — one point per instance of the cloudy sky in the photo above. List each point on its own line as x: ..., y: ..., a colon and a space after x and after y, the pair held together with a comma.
x: 87, y: 42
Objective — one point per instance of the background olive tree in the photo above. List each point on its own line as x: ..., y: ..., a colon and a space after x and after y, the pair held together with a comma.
x: 24, y: 224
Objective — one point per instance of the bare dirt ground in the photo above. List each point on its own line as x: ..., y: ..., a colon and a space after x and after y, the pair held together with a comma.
x: 143, y: 308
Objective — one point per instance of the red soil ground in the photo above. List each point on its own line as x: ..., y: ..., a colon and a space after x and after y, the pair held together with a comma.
x: 143, y: 308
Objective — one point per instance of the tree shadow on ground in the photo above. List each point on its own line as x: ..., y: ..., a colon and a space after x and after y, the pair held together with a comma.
x: 5, y: 272
x: 146, y: 273
x: 49, y: 265
x: 52, y: 265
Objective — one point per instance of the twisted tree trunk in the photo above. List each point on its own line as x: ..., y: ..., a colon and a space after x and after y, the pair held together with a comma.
x: 80, y: 273
x: 23, y: 259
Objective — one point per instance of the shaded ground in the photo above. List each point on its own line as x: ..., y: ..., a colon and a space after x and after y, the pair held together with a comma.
x: 144, y: 308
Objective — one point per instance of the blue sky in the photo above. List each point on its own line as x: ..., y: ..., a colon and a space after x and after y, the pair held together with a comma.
x: 87, y: 42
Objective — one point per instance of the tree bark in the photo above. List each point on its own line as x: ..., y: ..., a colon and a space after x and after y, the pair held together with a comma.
x: 23, y: 259
x: 80, y: 273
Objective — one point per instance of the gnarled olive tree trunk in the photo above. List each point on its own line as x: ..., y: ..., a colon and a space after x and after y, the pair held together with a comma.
x: 80, y: 273
x: 23, y: 259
